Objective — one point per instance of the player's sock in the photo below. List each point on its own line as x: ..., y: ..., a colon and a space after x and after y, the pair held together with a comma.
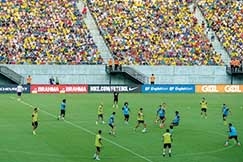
x: 225, y: 122
x: 226, y: 143
x: 163, y: 152
x: 94, y: 156
x: 97, y: 158
x: 34, y: 133
x: 238, y: 143
x: 96, y: 122
x: 169, y: 152
x: 113, y: 133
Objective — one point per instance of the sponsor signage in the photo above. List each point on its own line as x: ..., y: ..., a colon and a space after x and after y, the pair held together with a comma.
x: 13, y: 88
x: 168, y: 88
x: 221, y: 88
x: 64, y: 88
x: 112, y: 88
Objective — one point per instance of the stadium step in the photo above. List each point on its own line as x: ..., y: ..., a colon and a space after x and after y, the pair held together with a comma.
x: 94, y: 30
x: 215, y: 42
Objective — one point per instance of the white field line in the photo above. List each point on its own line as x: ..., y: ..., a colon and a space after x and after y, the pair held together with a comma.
x: 88, y: 131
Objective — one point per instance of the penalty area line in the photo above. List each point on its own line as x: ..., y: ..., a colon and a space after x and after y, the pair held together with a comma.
x: 87, y: 131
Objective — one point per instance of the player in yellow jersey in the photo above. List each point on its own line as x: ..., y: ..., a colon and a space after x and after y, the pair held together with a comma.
x: 35, y: 120
x: 98, y: 145
x: 167, y: 140
x: 100, y: 113
x: 204, y: 107
x: 140, y: 120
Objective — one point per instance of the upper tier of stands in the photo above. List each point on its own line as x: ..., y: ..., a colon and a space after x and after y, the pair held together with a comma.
x: 226, y: 19
x: 45, y: 32
x: 150, y: 32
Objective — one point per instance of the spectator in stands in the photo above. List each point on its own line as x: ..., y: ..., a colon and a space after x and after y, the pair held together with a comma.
x: 84, y: 10
x: 153, y: 33
x: 225, y: 18
x: 45, y: 32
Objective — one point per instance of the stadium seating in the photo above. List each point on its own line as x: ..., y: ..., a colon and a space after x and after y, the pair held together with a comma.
x: 153, y: 33
x: 45, y: 32
x: 226, y: 19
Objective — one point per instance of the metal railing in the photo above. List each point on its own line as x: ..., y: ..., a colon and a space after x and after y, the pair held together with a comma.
x: 134, y: 73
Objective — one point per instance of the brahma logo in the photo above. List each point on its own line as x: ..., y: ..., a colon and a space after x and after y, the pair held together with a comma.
x: 232, y: 88
x: 209, y: 88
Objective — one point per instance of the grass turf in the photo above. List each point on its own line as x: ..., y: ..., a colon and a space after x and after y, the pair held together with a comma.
x: 72, y: 140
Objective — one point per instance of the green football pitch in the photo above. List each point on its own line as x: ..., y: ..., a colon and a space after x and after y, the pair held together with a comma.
x: 72, y: 140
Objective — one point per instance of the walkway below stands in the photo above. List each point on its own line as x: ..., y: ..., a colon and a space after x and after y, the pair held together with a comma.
x: 215, y: 42
x: 98, y: 39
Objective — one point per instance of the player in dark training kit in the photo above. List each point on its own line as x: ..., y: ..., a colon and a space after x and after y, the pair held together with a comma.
x: 115, y: 99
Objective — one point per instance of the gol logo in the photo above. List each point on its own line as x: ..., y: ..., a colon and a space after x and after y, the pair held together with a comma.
x: 209, y: 88
x: 232, y: 88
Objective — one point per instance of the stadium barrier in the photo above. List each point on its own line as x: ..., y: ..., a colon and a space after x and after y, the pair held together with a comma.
x: 219, y: 88
x: 112, y: 88
x: 168, y: 88
x: 13, y: 88
x: 63, y: 88
x: 147, y: 88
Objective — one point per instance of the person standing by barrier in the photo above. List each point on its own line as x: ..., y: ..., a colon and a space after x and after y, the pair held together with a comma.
x: 152, y: 79
x: 110, y: 64
x: 116, y: 63
x: 29, y: 80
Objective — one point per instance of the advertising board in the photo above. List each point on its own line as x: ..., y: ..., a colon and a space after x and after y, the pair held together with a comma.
x: 13, y: 88
x: 112, y: 88
x: 221, y: 88
x: 64, y: 88
x: 168, y: 88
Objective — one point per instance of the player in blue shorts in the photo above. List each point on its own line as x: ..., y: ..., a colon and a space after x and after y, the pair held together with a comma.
x: 126, y: 111
x: 160, y: 115
x: 111, y: 123
x: 62, y: 110
x: 225, y: 111
x: 175, y: 121
x: 232, y: 135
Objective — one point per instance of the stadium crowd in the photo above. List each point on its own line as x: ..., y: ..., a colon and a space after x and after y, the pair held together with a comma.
x: 45, y: 32
x: 153, y: 32
x: 226, y: 19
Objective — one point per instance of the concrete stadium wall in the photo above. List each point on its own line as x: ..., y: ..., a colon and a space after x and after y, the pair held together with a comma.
x: 189, y: 74
x: 95, y: 74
